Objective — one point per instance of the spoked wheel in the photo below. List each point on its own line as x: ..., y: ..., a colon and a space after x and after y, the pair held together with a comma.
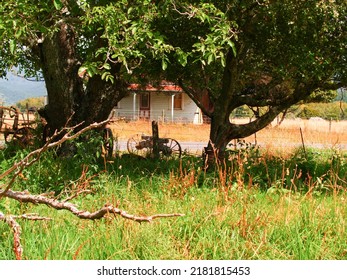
x: 108, y: 140
x: 24, y: 136
x: 137, y: 145
x: 171, y: 148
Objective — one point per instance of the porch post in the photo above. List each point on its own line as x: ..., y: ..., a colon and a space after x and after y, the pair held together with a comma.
x: 172, y: 107
x: 134, y: 106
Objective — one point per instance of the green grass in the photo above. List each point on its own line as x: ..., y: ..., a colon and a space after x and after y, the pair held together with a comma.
x: 257, y: 207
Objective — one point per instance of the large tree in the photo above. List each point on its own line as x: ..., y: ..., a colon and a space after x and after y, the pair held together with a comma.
x: 264, y: 54
x: 85, y: 51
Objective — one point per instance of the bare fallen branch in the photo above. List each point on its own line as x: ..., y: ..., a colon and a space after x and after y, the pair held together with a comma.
x: 33, y: 217
x: 76, y: 194
x: 82, y: 214
x: 80, y: 186
x: 47, y: 199
x: 11, y: 221
x: 17, y: 247
x: 26, y: 197
x: 34, y: 156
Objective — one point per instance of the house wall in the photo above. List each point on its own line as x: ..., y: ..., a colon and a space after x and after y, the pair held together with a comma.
x: 160, y: 109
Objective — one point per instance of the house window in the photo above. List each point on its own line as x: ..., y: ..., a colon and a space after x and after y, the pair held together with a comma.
x: 144, y: 100
x: 178, y: 101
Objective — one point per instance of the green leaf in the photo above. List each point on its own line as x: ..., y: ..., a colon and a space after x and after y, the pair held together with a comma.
x: 106, y: 66
x: 91, y: 70
x: 210, y: 58
x: 103, y: 76
x: 233, y: 47
x: 18, y: 33
x: 110, y: 78
x: 12, y: 46
x: 222, y: 58
x: 58, y: 4
x: 82, y: 70
x: 164, y: 64
x: 182, y: 59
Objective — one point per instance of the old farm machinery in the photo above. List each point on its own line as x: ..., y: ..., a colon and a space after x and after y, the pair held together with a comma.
x: 16, y: 126
x: 22, y: 129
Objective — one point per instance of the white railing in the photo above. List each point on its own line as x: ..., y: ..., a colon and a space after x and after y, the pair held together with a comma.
x: 163, y: 116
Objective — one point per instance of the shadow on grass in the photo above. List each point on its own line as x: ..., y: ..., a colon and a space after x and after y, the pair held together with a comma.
x: 317, y: 170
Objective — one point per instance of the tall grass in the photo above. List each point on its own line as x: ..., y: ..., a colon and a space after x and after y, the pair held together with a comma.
x: 256, y: 206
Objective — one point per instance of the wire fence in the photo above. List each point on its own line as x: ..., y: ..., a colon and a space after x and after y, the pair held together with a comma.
x: 285, y: 134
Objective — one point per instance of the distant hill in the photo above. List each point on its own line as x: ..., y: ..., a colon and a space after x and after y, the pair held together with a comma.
x: 16, y: 88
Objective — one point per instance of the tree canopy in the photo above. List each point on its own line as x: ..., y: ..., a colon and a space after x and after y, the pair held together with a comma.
x: 266, y: 54
x: 105, y: 32
x: 85, y: 51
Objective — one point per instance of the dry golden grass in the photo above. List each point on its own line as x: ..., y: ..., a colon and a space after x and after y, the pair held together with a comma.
x: 285, y: 135
x: 180, y: 132
x: 274, y: 137
x: 293, y: 132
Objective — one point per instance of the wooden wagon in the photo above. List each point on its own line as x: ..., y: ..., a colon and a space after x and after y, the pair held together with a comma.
x: 17, y: 126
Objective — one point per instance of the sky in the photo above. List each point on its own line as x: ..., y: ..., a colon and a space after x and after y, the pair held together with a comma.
x: 17, y: 88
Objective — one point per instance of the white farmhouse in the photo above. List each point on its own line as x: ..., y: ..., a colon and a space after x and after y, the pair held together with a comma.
x: 167, y: 102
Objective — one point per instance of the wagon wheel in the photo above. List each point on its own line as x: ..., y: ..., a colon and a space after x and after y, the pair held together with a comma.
x: 171, y: 148
x: 136, y: 145
x: 24, y: 136
x: 107, y: 136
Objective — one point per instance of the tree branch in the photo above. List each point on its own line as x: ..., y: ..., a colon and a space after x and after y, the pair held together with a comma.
x: 11, y: 221
x: 244, y: 130
x: 26, y: 197
x: 17, y: 247
x: 64, y: 205
x: 82, y: 214
x: 35, y: 155
x: 197, y: 97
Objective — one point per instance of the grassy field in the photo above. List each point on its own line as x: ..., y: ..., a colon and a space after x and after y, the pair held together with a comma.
x: 275, y: 137
x: 260, y: 205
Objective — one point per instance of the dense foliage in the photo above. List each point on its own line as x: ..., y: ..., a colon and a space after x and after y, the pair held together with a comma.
x: 267, y: 55
x: 85, y: 50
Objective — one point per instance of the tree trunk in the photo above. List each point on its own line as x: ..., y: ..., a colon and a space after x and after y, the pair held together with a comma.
x: 222, y: 132
x: 214, y: 153
x: 70, y: 101
x: 60, y: 68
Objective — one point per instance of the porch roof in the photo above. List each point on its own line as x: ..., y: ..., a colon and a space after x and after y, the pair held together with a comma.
x: 160, y: 88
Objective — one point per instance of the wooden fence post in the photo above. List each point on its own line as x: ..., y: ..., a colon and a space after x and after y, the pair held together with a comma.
x: 155, y: 135
x: 303, y: 143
